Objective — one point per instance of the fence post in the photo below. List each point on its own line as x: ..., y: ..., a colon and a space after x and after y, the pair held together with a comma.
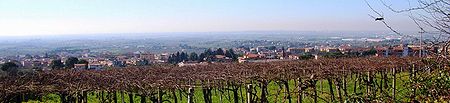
x: 190, y: 95
x: 249, y: 93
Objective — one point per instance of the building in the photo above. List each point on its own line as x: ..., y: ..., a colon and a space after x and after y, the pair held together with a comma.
x: 299, y: 50
x: 80, y: 66
x: 95, y: 66
x: 251, y: 56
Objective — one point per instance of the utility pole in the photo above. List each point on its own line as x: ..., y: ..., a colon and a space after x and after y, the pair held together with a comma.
x: 420, y: 44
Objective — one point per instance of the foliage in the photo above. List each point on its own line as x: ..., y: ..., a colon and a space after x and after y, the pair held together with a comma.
x: 56, y: 64
x: 71, y: 61
x: 10, y: 67
x: 207, y: 55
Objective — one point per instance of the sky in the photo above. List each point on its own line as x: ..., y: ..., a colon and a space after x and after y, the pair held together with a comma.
x: 59, y: 17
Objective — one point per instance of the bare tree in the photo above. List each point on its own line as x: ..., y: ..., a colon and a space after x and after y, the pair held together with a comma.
x: 430, y: 16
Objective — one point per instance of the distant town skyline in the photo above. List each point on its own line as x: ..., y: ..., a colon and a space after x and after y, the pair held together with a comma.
x: 56, y: 17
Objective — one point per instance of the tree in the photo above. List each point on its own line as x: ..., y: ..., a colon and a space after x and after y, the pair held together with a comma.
x: 202, y: 57
x: 184, y: 56
x: 283, y: 51
x: 306, y: 57
x: 193, y: 56
x: 209, y: 52
x: 219, y: 51
x: 172, y: 59
x: 82, y: 61
x: 10, y: 67
x: 71, y: 61
x: 430, y: 16
x: 56, y: 64
x: 272, y: 48
x: 230, y: 53
x: 177, y: 57
x: 370, y: 52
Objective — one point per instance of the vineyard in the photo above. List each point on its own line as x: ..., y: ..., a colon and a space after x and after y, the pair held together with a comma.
x: 323, y: 80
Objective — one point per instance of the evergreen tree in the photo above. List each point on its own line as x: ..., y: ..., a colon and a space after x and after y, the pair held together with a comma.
x: 219, y: 52
x: 193, y: 56
x: 71, y: 61
x: 177, y: 57
x: 202, y: 57
x: 184, y: 57
x: 209, y: 52
x: 172, y: 59
x: 56, y: 64
x: 11, y: 68
x: 230, y: 54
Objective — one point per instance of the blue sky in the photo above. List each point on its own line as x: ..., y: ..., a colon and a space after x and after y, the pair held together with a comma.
x: 55, y: 17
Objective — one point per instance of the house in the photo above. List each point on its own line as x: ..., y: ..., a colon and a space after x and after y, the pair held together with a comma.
x: 329, y: 49
x: 118, y: 63
x: 332, y: 50
x: 95, y: 66
x: 296, y: 57
x: 299, y: 50
x: 251, y: 56
x: 80, y: 66
x: 220, y: 57
x: 382, y: 51
x: 399, y: 51
x: 27, y: 63
x: 147, y: 56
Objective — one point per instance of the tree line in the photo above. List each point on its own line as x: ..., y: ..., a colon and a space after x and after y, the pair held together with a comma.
x: 208, y: 55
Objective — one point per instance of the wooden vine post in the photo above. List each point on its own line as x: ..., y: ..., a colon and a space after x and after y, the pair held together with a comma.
x: 160, y: 95
x: 413, y: 77
x: 393, y: 84
x: 264, y: 91
x: 175, y: 99
x: 249, y: 93
x: 300, y: 91
x: 286, y: 86
x: 122, y: 96
x: 130, y: 95
x: 330, y: 86
x: 190, y: 98
x: 369, y: 92
x: 314, y: 82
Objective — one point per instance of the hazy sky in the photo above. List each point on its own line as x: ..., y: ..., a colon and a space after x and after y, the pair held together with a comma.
x: 54, y: 17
